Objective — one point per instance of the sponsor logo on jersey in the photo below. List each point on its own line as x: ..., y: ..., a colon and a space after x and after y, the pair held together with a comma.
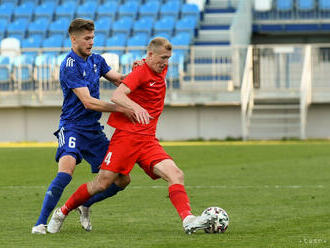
x: 69, y: 62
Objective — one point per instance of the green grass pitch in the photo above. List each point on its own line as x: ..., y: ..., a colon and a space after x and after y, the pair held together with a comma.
x: 276, y: 195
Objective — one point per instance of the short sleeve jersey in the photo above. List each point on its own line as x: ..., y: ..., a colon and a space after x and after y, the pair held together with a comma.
x: 148, y: 89
x: 75, y: 72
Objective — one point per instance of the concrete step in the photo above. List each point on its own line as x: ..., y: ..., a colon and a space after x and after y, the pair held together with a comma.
x: 212, y: 69
x: 218, y: 19
x: 224, y: 85
x: 274, y: 116
x: 277, y: 107
x: 213, y: 36
x: 273, y: 126
x: 211, y: 51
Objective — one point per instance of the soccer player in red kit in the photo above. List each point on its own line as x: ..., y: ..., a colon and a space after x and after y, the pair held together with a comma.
x: 142, y: 91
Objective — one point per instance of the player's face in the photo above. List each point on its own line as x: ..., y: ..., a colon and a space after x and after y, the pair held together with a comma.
x: 82, y: 43
x: 159, y: 59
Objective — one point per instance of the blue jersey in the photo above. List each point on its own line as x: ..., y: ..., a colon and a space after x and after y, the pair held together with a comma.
x: 75, y: 72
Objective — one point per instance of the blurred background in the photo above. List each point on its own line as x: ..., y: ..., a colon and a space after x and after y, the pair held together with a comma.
x: 241, y: 69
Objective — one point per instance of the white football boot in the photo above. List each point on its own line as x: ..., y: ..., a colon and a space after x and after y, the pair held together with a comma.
x: 56, y: 221
x: 193, y: 223
x: 85, y: 217
x: 39, y: 229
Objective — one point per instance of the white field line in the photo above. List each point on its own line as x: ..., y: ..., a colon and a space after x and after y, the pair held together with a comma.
x: 15, y: 187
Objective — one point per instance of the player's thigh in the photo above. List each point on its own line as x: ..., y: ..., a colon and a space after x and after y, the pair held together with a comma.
x: 68, y: 144
x: 169, y: 171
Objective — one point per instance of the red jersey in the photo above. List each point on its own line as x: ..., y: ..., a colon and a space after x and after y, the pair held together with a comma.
x: 148, y: 89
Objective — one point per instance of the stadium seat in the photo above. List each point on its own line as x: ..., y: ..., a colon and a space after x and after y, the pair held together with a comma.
x: 165, y: 25
x: 24, y: 10
x: 112, y: 60
x: 175, y: 70
x: 123, y: 25
x: 128, y: 9
x: 87, y: 10
x: 6, y: 10
x: 139, y: 40
x: 103, y: 26
x: 171, y: 8
x: 285, y: 8
x: 324, y: 7
x: 54, y: 41
x: 108, y: 9
x: 10, y: 47
x: 31, y: 42
x: 3, y: 26
x: 99, y: 41
x: 45, y: 10
x: 67, y: 42
x: 126, y: 62
x: 190, y: 10
x: 182, y: 40
x: 39, y: 26
x: 42, y: 73
x: 306, y: 8
x: 262, y: 9
x: 59, y: 26
x: 160, y: 34
x: 5, y: 73
x: 23, y: 72
x: 143, y: 26
x: 187, y: 24
x: 118, y: 41
x: 17, y: 29
x: 67, y: 10
x: 149, y: 9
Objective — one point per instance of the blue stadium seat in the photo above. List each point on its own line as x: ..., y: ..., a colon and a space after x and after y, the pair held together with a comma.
x: 160, y: 34
x: 175, y: 70
x: 139, y: 40
x: 123, y: 25
x: 54, y: 41
x: 108, y: 9
x: 126, y: 62
x: 187, y: 24
x: 67, y: 42
x: 324, y: 7
x: 103, y: 25
x: 99, y: 41
x: 119, y: 40
x: 24, y: 10
x: 59, y: 26
x: 285, y: 8
x: 128, y: 9
x: 191, y: 10
x: 87, y: 10
x: 6, y: 10
x: 43, y: 70
x: 165, y: 25
x: 306, y: 8
x: 39, y: 26
x: 17, y: 29
x: 3, y: 26
x: 23, y: 72
x: 5, y: 73
x: 149, y: 9
x: 31, y: 42
x: 67, y: 10
x: 45, y: 10
x: 181, y: 39
x: 171, y: 8
x: 143, y: 25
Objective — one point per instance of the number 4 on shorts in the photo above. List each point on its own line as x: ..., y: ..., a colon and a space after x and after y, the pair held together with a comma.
x: 108, y: 158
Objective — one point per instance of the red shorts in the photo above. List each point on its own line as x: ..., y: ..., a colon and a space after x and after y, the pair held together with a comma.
x: 126, y: 149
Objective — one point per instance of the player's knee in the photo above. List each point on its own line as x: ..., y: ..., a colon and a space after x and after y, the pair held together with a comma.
x: 123, y: 181
x: 102, y: 185
x: 177, y: 176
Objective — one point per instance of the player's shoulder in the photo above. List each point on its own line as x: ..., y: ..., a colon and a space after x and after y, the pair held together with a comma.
x: 69, y: 61
x: 140, y: 69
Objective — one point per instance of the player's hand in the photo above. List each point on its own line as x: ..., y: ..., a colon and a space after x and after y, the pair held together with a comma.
x: 141, y: 115
x: 138, y: 63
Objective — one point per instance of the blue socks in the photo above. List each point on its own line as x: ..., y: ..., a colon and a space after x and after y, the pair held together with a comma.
x: 53, y: 195
x: 111, y: 191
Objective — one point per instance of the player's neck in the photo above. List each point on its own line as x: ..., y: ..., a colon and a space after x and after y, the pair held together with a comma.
x: 79, y: 54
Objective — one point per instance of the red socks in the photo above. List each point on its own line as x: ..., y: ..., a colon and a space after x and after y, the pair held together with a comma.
x: 180, y: 200
x: 76, y: 199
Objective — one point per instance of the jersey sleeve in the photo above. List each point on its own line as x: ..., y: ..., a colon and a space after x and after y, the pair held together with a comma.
x: 134, y: 79
x: 72, y: 77
x: 104, y: 67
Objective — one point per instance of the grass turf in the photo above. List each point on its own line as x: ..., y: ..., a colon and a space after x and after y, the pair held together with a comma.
x: 276, y: 195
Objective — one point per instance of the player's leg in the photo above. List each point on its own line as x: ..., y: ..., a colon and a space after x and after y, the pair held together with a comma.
x: 100, y: 183
x: 167, y: 170
x: 84, y: 210
x: 66, y: 167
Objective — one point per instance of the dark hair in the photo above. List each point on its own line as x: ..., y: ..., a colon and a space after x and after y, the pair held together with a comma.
x: 79, y: 24
x: 158, y: 42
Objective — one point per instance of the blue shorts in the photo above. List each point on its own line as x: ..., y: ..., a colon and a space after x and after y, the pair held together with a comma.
x: 90, y: 145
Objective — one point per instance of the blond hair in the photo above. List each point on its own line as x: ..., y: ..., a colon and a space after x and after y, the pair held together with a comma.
x: 159, y: 42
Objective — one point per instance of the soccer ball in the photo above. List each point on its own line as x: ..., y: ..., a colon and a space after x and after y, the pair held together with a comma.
x: 222, y: 221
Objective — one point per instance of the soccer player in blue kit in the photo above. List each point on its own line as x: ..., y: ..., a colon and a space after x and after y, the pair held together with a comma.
x: 80, y: 135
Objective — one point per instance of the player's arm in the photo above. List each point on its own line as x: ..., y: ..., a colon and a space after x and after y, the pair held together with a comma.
x: 95, y: 104
x: 120, y: 97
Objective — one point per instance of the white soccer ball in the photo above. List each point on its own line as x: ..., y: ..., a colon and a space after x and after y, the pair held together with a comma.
x: 222, y: 221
